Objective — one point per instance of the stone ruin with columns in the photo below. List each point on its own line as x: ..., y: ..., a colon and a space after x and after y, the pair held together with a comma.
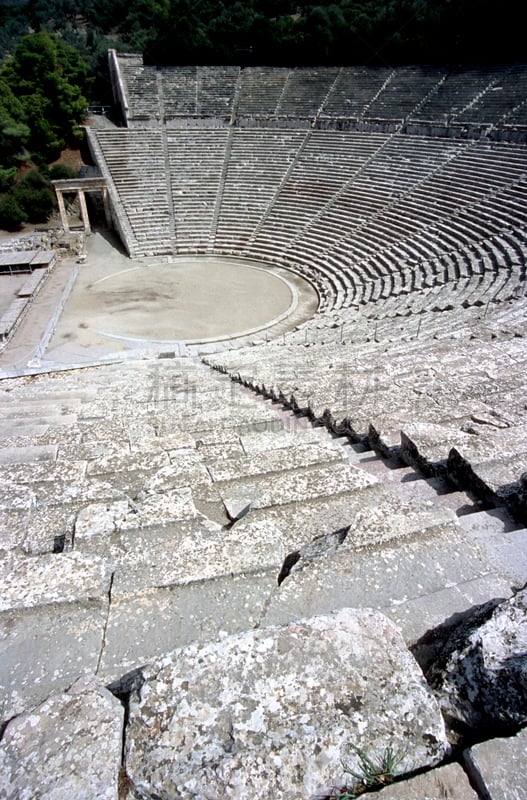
x: 291, y: 564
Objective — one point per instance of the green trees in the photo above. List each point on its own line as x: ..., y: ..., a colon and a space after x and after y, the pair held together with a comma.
x: 41, y: 106
x: 48, y: 78
x: 14, y: 133
x: 275, y: 32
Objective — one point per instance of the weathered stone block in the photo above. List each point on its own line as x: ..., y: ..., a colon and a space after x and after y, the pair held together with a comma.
x: 499, y: 767
x: 67, y: 747
x: 444, y: 783
x: 275, y: 713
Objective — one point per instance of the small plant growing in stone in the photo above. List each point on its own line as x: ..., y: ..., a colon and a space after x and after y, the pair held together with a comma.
x: 371, y: 774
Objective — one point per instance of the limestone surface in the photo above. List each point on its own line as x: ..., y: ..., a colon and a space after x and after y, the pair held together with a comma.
x: 444, y: 783
x: 278, y: 712
x: 499, y: 767
x: 67, y: 747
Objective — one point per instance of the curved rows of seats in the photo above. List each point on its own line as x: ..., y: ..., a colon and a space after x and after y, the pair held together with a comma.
x: 452, y: 410
x: 364, y: 216
x: 328, y: 96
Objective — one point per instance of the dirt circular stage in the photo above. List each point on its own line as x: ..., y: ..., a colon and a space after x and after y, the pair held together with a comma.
x: 188, y: 299
x: 119, y: 304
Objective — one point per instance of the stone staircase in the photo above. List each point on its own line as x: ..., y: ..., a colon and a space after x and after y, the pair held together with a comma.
x: 148, y: 504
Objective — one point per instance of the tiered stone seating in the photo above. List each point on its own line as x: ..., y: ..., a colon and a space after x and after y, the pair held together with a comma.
x: 372, y: 392
x: 503, y: 94
x: 141, y: 87
x: 134, y: 164
x: 196, y: 165
x: 147, y: 505
x: 260, y: 92
x: 363, y: 215
x: 460, y: 87
x: 407, y: 88
x: 179, y: 92
x: 433, y: 100
x: 258, y: 163
x: 354, y: 90
x: 305, y: 92
x: 215, y: 91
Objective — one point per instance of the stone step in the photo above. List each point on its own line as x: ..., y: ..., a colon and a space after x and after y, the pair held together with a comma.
x: 410, y: 483
x: 25, y: 455
x: 256, y: 442
x: 277, y: 460
x: 502, y: 540
x: 374, y: 515
x: 292, y: 486
x: 440, y: 574
x: 497, y: 480
x: 20, y: 426
x: 52, y: 619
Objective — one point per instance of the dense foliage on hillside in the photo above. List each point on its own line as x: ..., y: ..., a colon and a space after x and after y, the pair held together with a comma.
x: 41, y: 106
x: 277, y: 32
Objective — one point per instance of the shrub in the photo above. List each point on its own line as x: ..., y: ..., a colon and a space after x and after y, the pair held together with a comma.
x: 60, y: 172
x: 35, y: 195
x: 12, y: 215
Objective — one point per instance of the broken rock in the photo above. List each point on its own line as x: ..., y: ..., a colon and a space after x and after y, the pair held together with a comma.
x: 480, y: 675
x: 278, y: 712
x: 67, y: 747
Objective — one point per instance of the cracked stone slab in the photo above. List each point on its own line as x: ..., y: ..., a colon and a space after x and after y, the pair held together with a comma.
x: 499, y: 767
x: 444, y: 783
x: 49, y: 529
x: 374, y: 515
x: 67, y: 747
x: 99, y: 520
x: 293, y: 486
x: 381, y: 578
x: 275, y: 713
x: 199, y: 555
x: 146, y: 625
x: 158, y: 508
x: 99, y: 526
